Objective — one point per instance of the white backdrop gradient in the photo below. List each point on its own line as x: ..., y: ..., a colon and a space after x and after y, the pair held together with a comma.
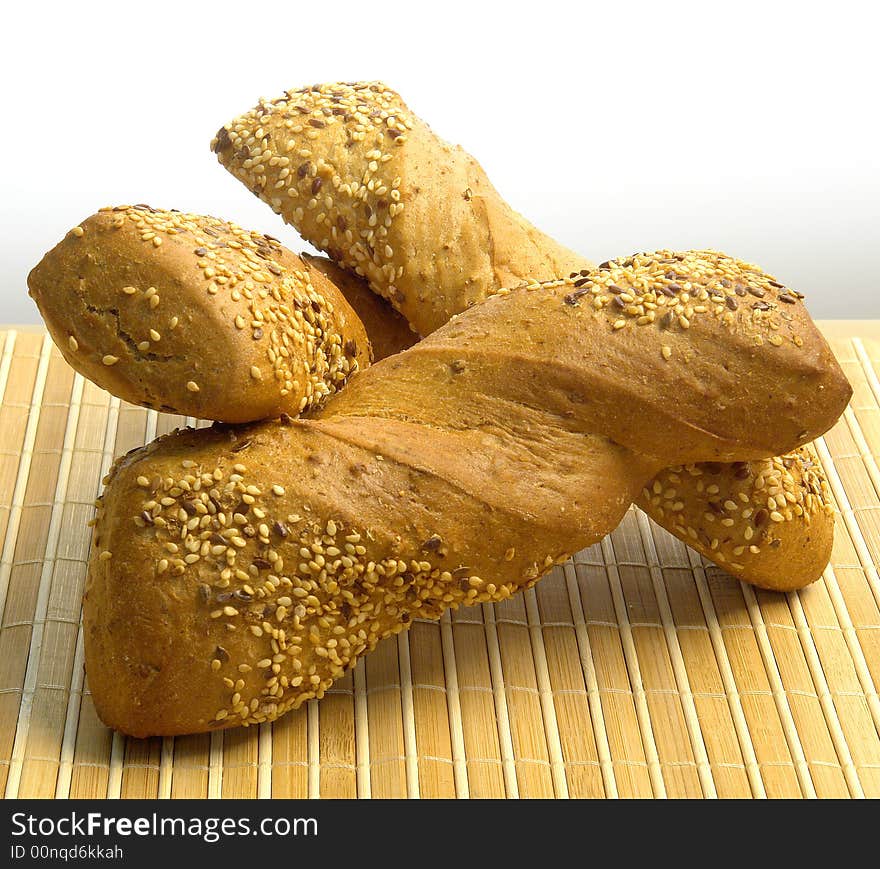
x: 748, y: 127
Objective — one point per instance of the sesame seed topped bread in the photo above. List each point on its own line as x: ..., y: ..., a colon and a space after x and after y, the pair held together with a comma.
x: 354, y: 170
x: 238, y: 571
x: 370, y: 184
x: 194, y: 315
x: 769, y: 521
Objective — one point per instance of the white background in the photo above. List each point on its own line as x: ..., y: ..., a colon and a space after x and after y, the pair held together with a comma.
x: 748, y: 127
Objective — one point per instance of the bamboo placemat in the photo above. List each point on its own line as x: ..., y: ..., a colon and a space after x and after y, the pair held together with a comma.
x: 637, y: 669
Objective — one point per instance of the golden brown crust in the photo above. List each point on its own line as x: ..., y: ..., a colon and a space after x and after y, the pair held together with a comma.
x: 256, y: 564
x: 370, y: 184
x: 194, y: 315
x: 768, y: 522
x: 440, y: 194
x: 667, y: 375
x: 377, y: 522
x: 388, y: 331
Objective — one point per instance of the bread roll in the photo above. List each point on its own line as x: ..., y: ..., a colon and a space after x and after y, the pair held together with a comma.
x: 370, y: 184
x: 268, y: 558
x: 193, y: 315
x: 770, y: 521
x: 308, y: 127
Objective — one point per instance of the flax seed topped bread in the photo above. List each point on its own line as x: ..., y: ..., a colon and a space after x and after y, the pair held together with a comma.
x: 351, y: 167
x: 269, y: 558
x: 194, y: 315
x: 366, y: 181
x: 770, y: 521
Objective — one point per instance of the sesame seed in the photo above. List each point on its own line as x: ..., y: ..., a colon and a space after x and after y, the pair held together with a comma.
x: 192, y: 386
x: 72, y: 343
x: 110, y: 359
x: 256, y: 373
x: 77, y: 231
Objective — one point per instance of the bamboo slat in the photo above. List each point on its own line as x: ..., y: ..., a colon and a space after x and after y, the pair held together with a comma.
x: 636, y: 669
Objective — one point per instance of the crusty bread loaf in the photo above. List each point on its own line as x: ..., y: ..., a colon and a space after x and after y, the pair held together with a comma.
x: 194, y: 315
x: 305, y: 128
x: 770, y: 521
x: 267, y: 558
x: 319, y: 539
x: 366, y: 181
x: 388, y: 331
